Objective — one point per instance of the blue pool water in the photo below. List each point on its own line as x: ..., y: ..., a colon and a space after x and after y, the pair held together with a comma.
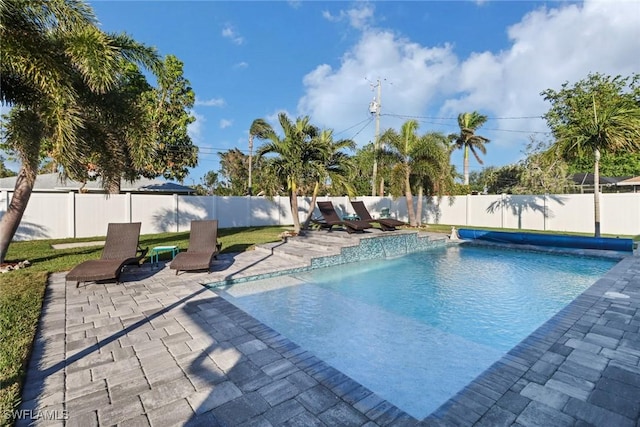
x: 417, y: 329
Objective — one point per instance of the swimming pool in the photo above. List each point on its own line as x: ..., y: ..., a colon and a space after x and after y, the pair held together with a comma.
x: 418, y: 328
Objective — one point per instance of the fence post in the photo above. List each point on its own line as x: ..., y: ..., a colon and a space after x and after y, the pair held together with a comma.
x: 502, y: 206
x: 176, y: 212
x: 467, y: 214
x: 544, y: 212
x: 4, y: 195
x: 214, y: 206
x: 249, y: 211
x: 127, y: 207
x: 71, y: 217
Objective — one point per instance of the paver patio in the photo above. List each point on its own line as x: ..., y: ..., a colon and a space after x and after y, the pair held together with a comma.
x: 164, y: 350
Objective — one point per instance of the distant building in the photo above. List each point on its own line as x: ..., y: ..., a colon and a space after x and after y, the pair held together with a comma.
x: 584, y: 182
x: 630, y: 184
x: 51, y: 183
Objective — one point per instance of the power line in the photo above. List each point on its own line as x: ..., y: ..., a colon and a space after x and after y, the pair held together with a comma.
x: 363, y: 127
x: 455, y: 118
x: 484, y: 128
x: 368, y: 119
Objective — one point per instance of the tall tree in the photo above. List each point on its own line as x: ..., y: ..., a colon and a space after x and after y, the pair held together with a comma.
x: 233, y: 167
x: 361, y: 175
x: 53, y: 60
x: 467, y: 140
x: 597, y: 114
x: 170, y: 115
x: 332, y: 169
x: 401, y: 146
x: 498, y: 180
x: 296, y: 157
x: 208, y: 184
x: 258, y: 129
x: 540, y: 173
x: 617, y: 164
x: 431, y: 168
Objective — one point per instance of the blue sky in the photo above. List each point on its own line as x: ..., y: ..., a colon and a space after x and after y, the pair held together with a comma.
x: 435, y: 59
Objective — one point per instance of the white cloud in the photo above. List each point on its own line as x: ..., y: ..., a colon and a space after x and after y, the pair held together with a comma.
x: 194, y: 130
x: 213, y: 102
x: 224, y: 123
x: 411, y: 75
x: 548, y: 47
x: 241, y: 65
x: 228, y: 32
x: 359, y: 17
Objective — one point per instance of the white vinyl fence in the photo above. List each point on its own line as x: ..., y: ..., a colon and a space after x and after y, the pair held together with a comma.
x: 62, y: 215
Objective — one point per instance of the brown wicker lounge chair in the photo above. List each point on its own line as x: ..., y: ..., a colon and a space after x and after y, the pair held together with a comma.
x: 386, y: 224
x: 332, y: 219
x: 203, y: 247
x: 120, y: 248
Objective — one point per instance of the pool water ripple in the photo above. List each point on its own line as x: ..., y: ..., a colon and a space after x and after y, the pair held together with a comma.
x: 417, y: 329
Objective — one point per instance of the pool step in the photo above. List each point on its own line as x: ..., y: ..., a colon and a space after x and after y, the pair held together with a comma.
x: 329, y: 240
x: 297, y: 250
x: 321, y: 243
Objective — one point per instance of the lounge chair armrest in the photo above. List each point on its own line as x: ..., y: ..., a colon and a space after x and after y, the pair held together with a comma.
x: 142, y: 251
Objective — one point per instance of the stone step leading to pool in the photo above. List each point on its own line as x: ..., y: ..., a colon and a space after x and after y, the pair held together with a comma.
x: 314, y: 245
x: 332, y: 248
x: 297, y: 250
x: 324, y: 241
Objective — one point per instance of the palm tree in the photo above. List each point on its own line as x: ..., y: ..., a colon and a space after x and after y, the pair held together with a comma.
x: 431, y: 168
x: 54, y: 64
x: 258, y: 129
x: 298, y: 156
x: 400, y: 146
x: 468, y: 140
x: 335, y: 167
x: 596, y: 115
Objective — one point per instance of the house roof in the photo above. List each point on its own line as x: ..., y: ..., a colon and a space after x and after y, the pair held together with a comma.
x: 587, y: 179
x: 51, y: 182
x: 630, y: 181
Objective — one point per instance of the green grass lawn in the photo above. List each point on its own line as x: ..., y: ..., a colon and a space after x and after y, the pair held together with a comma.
x: 22, y: 291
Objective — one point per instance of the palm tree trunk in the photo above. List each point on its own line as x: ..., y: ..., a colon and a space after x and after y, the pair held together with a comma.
x: 12, y: 218
x: 409, y: 197
x: 314, y: 197
x: 419, y: 207
x: 113, y: 186
x: 293, y: 202
x: 596, y: 192
x: 465, y: 165
x: 381, y: 192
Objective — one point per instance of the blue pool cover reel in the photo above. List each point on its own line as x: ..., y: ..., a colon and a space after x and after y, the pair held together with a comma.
x: 560, y: 241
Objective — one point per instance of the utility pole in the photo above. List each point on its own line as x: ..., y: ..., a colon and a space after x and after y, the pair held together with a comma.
x: 250, y: 161
x: 374, y: 108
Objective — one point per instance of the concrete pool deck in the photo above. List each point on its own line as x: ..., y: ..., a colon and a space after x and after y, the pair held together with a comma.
x: 164, y: 350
